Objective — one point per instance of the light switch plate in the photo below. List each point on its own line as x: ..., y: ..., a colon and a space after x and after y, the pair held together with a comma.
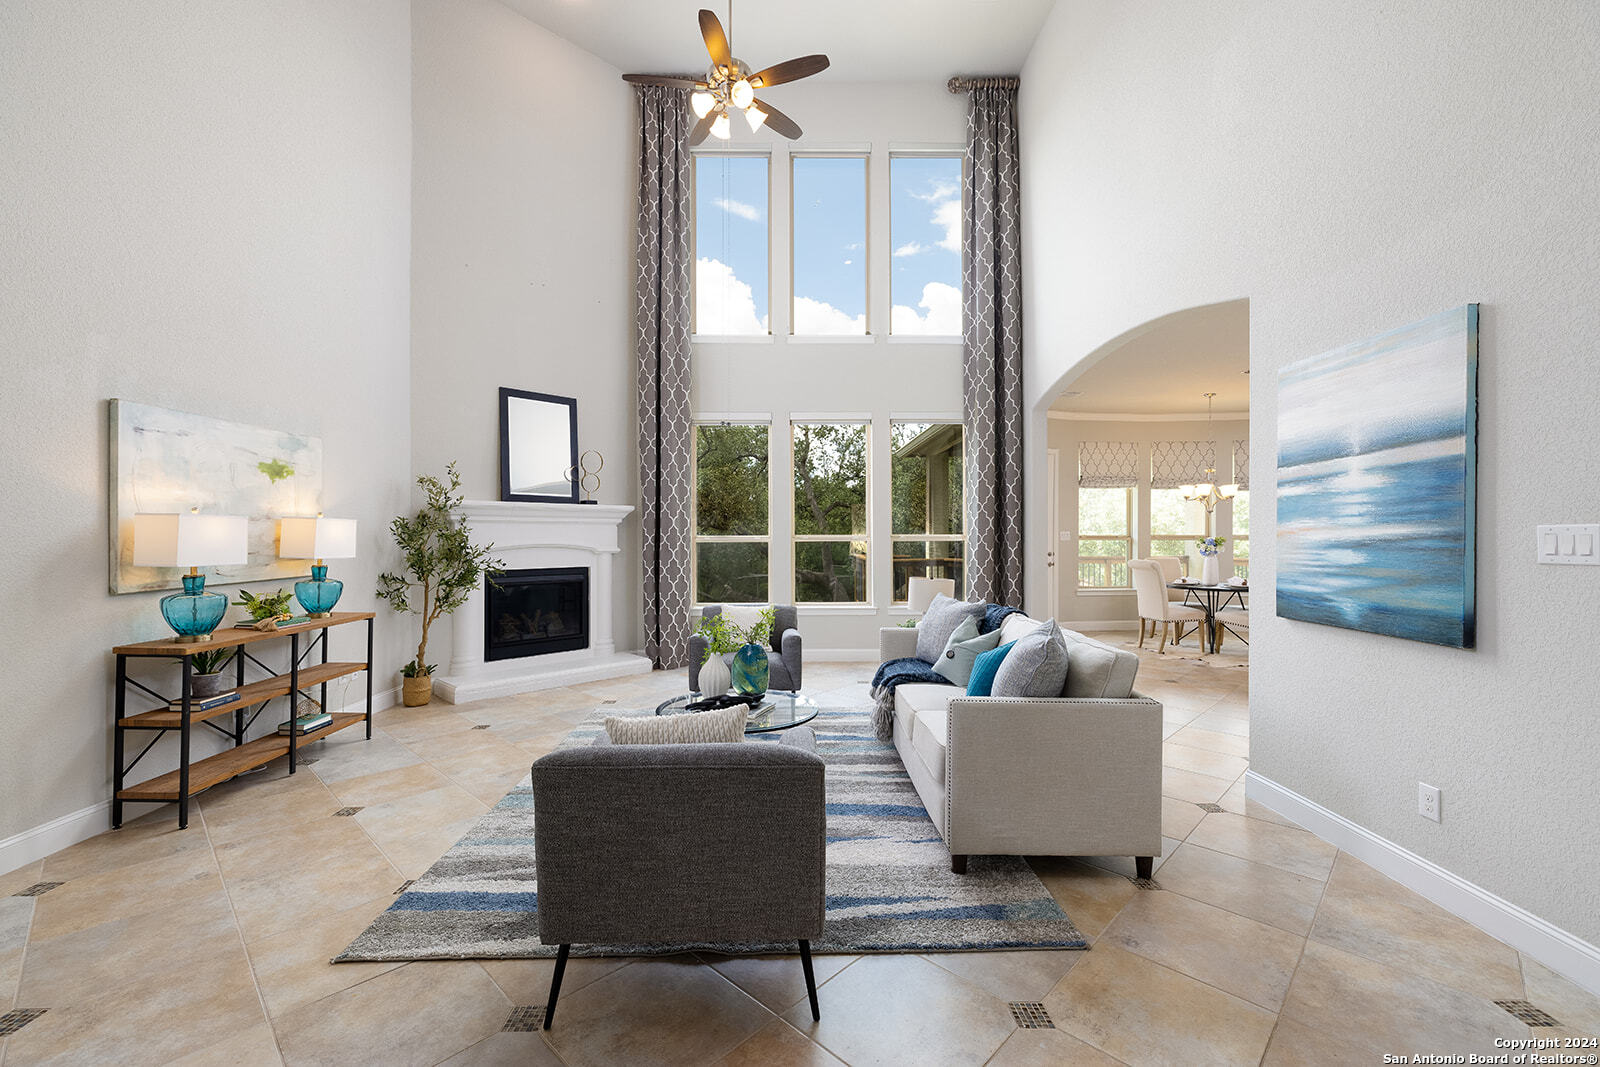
x: 1569, y: 545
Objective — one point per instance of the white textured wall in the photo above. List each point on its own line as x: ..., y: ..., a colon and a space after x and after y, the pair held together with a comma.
x: 523, y: 208
x: 1350, y: 168
x: 205, y: 207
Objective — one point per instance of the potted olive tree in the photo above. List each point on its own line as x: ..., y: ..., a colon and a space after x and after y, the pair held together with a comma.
x: 441, y: 563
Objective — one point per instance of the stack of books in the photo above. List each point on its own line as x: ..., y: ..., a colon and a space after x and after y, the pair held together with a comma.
x: 304, y: 724
x: 205, y: 703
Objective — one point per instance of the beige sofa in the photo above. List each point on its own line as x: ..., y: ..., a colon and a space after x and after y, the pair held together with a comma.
x: 1074, y: 775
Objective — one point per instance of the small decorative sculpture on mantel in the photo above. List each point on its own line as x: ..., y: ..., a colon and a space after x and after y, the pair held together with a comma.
x: 585, y: 477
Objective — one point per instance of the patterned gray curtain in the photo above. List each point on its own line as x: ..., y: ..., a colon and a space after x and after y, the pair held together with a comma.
x: 991, y: 366
x: 661, y: 302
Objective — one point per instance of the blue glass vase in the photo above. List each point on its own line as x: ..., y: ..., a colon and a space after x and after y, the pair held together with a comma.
x: 194, y: 613
x: 320, y: 594
x: 750, y: 670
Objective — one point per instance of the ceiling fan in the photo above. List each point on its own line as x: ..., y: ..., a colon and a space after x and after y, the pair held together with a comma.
x: 729, y: 86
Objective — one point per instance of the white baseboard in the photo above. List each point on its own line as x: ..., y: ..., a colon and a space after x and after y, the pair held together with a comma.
x: 1087, y: 625
x: 1562, y: 952
x: 842, y: 655
x: 51, y: 837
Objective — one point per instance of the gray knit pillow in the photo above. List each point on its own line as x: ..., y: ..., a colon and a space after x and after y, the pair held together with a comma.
x: 1035, y: 667
x: 690, y: 728
x: 940, y: 621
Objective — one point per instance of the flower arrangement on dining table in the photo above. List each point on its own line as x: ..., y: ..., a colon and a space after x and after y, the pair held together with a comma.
x: 1210, y: 546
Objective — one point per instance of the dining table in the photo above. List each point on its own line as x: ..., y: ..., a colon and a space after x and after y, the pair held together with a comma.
x: 1211, y: 599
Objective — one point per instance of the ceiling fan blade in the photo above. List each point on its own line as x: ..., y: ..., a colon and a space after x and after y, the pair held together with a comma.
x: 663, y: 79
x: 702, y: 129
x: 792, y: 70
x: 716, y: 40
x: 778, y: 122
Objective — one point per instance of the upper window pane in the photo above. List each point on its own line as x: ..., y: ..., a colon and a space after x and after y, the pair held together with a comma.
x: 830, y: 245
x: 731, y: 481
x: 730, y: 239
x: 925, y: 234
x: 830, y: 478
x: 926, y: 472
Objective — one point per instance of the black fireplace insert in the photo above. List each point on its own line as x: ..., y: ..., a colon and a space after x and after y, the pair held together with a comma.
x: 534, y: 612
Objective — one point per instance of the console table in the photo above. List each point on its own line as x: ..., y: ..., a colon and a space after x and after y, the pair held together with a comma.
x: 192, y: 778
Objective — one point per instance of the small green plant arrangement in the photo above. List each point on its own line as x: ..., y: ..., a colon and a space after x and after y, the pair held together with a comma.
x: 265, y: 606
x: 211, y: 660
x: 440, y: 561
x: 722, y: 636
x: 908, y: 624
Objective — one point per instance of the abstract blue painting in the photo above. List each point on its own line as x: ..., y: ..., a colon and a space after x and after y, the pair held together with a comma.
x: 1377, y: 475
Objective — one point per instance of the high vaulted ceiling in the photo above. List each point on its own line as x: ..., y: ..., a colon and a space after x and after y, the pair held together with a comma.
x: 1169, y: 366
x: 876, y: 40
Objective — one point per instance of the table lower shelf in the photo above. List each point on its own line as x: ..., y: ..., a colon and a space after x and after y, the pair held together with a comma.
x: 203, y: 774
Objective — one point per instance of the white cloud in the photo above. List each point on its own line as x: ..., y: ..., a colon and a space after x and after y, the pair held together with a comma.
x: 813, y: 317
x: 848, y: 262
x: 942, y: 304
x: 910, y: 248
x: 723, y: 305
x: 947, y: 214
x: 743, y: 210
x: 941, y: 191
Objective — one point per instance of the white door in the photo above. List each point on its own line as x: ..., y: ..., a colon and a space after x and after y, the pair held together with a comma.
x: 1052, y: 508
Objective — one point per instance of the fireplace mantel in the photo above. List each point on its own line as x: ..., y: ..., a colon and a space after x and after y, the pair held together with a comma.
x: 527, y: 535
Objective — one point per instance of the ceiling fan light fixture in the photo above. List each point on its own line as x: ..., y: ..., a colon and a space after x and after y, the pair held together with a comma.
x: 701, y: 102
x: 742, y: 93
x: 720, y: 127
x: 755, y: 117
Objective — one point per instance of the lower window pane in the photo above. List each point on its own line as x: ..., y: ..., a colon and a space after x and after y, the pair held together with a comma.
x: 928, y: 559
x: 731, y: 572
x: 830, y: 571
x: 1102, y: 563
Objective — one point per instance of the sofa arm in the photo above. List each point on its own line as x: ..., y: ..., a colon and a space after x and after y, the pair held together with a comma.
x: 1059, y: 776
x: 897, y: 642
x: 789, y: 650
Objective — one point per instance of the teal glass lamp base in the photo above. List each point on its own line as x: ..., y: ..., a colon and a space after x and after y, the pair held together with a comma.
x: 751, y: 670
x: 194, y: 613
x: 320, y: 594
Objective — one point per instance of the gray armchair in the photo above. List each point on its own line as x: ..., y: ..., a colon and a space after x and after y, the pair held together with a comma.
x: 783, y: 649
x: 661, y: 844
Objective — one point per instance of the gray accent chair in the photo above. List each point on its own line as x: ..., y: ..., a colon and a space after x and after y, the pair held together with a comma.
x: 783, y: 649
x: 662, y: 845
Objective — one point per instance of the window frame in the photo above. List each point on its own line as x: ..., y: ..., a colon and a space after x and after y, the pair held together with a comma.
x: 696, y: 538
x: 1189, y: 537
x: 1236, y: 538
x: 760, y: 151
x: 797, y: 539
x: 895, y: 538
x: 865, y: 155
x: 955, y: 152
x: 1129, y: 493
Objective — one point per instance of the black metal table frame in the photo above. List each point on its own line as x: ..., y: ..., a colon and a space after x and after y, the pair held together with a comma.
x: 241, y: 724
x: 1216, y: 598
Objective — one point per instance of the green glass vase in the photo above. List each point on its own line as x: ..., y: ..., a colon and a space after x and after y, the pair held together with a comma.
x: 750, y: 670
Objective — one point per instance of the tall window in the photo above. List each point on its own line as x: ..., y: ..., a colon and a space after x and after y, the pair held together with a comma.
x: 1175, y: 525
x: 831, y: 543
x: 926, y: 504
x: 1105, y: 537
x: 731, y: 287
x: 1241, y: 534
x: 925, y: 236
x: 829, y: 197
x: 731, y: 535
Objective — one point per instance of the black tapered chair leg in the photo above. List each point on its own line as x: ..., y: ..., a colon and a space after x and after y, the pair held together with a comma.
x: 555, y: 984
x: 811, y: 978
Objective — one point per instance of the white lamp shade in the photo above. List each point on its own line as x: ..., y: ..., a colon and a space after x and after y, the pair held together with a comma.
x: 923, y: 590
x: 190, y: 540
x: 316, y: 538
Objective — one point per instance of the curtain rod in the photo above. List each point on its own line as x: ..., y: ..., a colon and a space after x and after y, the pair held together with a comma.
x: 959, y: 84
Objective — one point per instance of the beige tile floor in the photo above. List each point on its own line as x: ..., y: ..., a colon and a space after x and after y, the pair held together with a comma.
x: 210, y: 945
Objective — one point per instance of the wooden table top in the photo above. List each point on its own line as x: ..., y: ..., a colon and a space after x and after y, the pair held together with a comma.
x: 231, y: 637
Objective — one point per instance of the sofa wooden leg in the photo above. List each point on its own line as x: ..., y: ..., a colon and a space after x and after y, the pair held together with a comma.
x: 958, y: 864
x: 555, y: 984
x: 1143, y: 866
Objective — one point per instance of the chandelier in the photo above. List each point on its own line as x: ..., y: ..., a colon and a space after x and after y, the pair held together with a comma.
x: 1208, y: 492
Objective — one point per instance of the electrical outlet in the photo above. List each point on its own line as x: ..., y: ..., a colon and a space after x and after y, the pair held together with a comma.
x: 1428, y: 801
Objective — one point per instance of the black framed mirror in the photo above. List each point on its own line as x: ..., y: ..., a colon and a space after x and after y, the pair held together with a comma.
x: 538, y: 447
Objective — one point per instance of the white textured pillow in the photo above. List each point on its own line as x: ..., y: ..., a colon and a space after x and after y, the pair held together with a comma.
x: 744, y: 616
x: 690, y: 728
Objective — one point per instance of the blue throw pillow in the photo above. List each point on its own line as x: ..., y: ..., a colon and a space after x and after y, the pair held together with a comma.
x: 985, y: 668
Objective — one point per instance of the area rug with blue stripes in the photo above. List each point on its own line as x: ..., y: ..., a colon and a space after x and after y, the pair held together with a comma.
x: 889, y: 884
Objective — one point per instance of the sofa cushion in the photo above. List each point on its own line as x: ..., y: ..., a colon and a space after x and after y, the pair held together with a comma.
x: 917, y: 697
x: 690, y: 728
x: 963, y: 648
x: 1036, y: 667
x: 939, y: 622
x: 928, y: 736
x: 1017, y: 626
x: 980, y: 683
x: 1095, y: 669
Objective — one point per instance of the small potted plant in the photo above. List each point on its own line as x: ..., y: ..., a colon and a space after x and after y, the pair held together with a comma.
x: 721, y: 640
x: 268, y: 609
x: 440, y: 560
x: 1210, y: 566
x: 207, y: 680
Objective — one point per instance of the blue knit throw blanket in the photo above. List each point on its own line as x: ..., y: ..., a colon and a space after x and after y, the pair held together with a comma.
x: 911, y: 669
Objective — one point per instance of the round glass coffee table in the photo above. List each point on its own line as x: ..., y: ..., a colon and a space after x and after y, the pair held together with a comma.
x: 778, y: 710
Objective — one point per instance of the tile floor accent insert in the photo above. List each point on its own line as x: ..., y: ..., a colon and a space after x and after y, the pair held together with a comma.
x: 482, y: 726
x: 1528, y: 1013
x: 1030, y: 1015
x: 344, y: 812
x: 1145, y: 883
x: 1211, y: 807
x: 12, y: 1021
x: 524, y: 1019
x: 38, y: 889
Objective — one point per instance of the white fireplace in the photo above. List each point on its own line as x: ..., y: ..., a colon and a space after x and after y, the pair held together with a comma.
x: 531, y: 537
